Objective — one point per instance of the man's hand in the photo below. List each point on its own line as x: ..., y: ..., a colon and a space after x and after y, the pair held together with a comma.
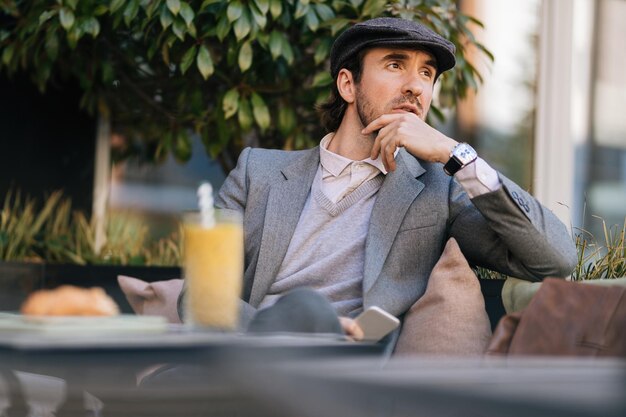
x: 408, y: 131
x: 351, y: 328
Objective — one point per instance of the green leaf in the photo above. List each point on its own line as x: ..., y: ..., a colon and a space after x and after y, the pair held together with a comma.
x: 286, y: 50
x: 311, y: 20
x: 73, y: 36
x: 322, y: 79
x: 7, y: 54
x: 45, y: 16
x: 244, y: 115
x: 131, y: 11
x: 263, y: 5
x: 260, y: 111
x: 302, y: 9
x: 115, y: 5
x: 286, y: 120
x: 182, y: 149
x: 324, y: 12
x: 322, y: 51
x: 234, y: 10
x: 150, y: 8
x: 71, y: 3
x: 179, y: 28
x: 276, y: 44
x: 186, y: 12
x: 207, y: 3
x: 66, y: 16
x: 258, y: 17
x: 166, y: 18
x: 174, y: 6
x: 242, y: 25
x: 100, y: 10
x: 356, y: 3
x: 191, y: 29
x: 245, y: 56
x: 204, y: 62
x: 337, y: 25
x: 230, y: 104
x: 91, y: 26
x: 485, y: 50
x: 52, y: 46
x: 188, y: 59
x: 223, y: 27
x: 374, y: 8
x: 276, y: 8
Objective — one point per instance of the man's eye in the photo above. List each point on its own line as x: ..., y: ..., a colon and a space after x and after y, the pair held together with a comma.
x: 394, y: 65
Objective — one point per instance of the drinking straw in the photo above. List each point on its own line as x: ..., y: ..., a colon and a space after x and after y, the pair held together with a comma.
x: 205, y: 202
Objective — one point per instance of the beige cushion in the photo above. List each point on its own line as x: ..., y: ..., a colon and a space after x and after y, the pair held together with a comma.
x: 517, y: 293
x: 152, y: 299
x: 450, y: 318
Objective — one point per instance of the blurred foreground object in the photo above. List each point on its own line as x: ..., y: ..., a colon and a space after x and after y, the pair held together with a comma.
x: 68, y: 300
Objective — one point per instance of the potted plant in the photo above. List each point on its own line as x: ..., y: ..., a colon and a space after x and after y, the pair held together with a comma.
x: 44, y: 246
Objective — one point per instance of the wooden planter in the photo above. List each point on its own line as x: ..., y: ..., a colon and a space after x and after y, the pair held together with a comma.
x: 17, y: 280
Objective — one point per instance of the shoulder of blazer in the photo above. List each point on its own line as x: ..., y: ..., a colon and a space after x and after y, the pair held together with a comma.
x: 267, y: 163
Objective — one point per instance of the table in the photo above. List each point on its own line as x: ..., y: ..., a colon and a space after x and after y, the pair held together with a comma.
x: 210, y: 374
x: 446, y: 387
x: 176, y: 373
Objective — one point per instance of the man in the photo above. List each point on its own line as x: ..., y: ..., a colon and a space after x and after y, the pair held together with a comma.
x: 363, y: 218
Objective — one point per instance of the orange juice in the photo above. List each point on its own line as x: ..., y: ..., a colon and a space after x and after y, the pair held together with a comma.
x: 213, y: 264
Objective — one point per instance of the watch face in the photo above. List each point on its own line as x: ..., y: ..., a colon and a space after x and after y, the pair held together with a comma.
x: 465, y: 153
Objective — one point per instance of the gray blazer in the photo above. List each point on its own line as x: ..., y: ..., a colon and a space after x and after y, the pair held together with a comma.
x: 417, y: 209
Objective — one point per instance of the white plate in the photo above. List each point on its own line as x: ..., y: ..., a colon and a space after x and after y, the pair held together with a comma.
x: 81, y: 325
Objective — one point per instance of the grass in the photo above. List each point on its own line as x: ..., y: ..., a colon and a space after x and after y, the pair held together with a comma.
x: 56, y: 233
x: 601, y: 260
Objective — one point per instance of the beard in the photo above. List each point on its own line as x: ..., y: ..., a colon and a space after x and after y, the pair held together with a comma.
x: 365, y: 109
x: 367, y: 112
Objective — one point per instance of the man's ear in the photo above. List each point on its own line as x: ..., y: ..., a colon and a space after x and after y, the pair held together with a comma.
x: 345, y: 85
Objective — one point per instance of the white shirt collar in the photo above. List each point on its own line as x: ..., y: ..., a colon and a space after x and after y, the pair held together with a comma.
x: 335, y: 163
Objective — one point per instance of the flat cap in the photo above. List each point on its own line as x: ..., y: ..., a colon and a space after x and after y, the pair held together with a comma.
x: 390, y: 31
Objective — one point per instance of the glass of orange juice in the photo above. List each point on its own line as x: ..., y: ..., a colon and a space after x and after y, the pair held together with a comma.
x: 213, y: 268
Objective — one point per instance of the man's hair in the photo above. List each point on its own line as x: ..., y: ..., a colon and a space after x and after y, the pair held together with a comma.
x: 332, y: 111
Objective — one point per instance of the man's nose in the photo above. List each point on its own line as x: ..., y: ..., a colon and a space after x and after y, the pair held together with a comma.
x: 413, y: 85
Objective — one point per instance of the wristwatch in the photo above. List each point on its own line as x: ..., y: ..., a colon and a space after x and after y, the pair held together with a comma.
x: 461, y: 156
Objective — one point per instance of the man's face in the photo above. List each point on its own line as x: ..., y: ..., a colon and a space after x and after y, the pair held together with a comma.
x: 394, y: 81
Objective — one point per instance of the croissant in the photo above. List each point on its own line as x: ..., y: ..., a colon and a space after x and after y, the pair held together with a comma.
x: 68, y: 300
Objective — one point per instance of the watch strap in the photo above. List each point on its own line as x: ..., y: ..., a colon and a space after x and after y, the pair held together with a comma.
x: 452, y: 166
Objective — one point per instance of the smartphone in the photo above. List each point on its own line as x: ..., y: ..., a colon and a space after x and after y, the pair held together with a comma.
x: 376, y: 323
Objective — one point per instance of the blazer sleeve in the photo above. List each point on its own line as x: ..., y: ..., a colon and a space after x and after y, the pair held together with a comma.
x: 509, y: 231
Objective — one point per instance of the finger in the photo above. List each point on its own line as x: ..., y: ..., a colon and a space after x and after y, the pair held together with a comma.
x: 376, y: 146
x: 351, y: 328
x: 382, y: 133
x: 389, y: 156
x: 388, y: 146
x: 379, y: 123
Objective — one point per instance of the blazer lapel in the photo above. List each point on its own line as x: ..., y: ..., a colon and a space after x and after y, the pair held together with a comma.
x: 395, y: 196
x: 287, y: 196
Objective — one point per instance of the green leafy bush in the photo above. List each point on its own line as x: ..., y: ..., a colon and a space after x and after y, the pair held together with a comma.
x: 238, y: 73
